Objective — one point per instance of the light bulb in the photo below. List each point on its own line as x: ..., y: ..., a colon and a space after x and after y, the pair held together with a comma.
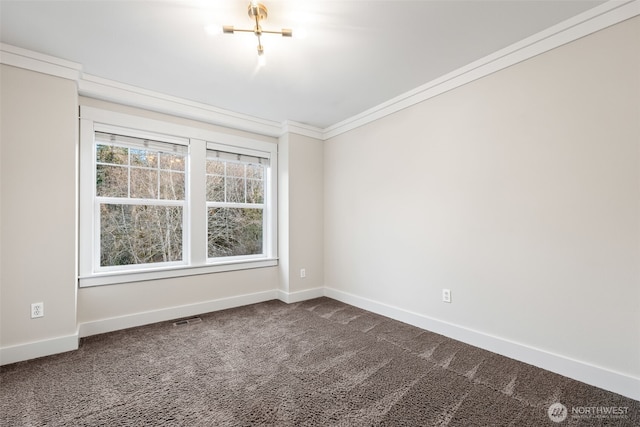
x: 213, y: 30
x: 300, y: 34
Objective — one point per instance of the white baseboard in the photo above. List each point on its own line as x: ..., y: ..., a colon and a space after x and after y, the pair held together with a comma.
x: 291, y: 297
x: 593, y: 375
x: 32, y: 350
x: 149, y: 317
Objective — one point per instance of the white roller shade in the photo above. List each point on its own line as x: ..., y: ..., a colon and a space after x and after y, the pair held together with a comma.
x: 217, y: 151
x: 141, y: 143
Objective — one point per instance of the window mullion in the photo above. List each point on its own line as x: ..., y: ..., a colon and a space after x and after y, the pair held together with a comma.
x: 139, y: 202
x: 197, y: 196
x: 157, y: 169
x: 225, y: 181
x: 235, y: 205
x: 115, y: 213
x: 128, y: 172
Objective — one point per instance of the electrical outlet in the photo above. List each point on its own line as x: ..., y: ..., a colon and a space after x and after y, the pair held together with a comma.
x: 37, y: 310
x: 446, y: 295
x: 303, y: 273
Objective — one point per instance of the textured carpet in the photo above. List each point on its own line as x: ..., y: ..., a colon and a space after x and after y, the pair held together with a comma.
x: 315, y: 363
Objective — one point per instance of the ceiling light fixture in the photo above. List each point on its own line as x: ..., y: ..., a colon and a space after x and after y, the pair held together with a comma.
x: 257, y: 12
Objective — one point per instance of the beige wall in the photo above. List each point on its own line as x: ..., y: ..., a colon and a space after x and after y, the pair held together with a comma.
x: 38, y: 143
x: 128, y: 300
x: 520, y: 192
x: 39, y: 212
x: 301, y: 199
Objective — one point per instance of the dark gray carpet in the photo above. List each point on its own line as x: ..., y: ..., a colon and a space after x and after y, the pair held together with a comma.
x: 315, y: 363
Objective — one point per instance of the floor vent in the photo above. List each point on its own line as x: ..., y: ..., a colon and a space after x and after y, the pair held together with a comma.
x: 189, y: 321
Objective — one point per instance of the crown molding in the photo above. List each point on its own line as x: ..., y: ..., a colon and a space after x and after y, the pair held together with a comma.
x: 301, y: 129
x: 589, y: 22
x: 108, y: 90
x: 34, y: 61
x: 586, y: 23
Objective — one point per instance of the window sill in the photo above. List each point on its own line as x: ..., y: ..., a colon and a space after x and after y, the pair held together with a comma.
x: 112, y: 278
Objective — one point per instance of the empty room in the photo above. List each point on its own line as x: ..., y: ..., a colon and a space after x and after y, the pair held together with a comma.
x: 320, y: 213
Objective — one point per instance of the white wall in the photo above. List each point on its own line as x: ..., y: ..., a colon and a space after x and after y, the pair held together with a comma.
x: 38, y: 143
x: 520, y: 192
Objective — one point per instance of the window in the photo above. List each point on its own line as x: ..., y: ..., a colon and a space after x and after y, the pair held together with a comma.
x: 140, y: 201
x: 156, y: 205
x: 235, y: 204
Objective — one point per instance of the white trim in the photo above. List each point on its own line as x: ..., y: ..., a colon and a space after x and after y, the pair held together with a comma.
x: 591, y: 21
x: 297, y: 296
x: 38, y: 62
x: 194, y: 262
x: 289, y: 126
x: 159, y: 127
x: 183, y: 270
x: 102, y: 326
x: 586, y: 23
x: 32, y: 350
x: 616, y: 382
x: 107, y: 90
x: 128, y: 136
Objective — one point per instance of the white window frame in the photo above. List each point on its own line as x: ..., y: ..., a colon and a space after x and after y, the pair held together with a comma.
x: 266, y: 219
x: 98, y: 200
x: 195, y: 260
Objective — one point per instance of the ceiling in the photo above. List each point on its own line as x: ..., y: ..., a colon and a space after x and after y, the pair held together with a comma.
x: 354, y: 54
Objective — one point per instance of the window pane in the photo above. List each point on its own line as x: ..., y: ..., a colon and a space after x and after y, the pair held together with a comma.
x: 235, y: 169
x: 144, y: 183
x: 235, y: 190
x: 215, y: 167
x: 255, y: 191
x: 111, y: 154
x: 234, y: 231
x: 171, y: 161
x: 215, y: 188
x: 146, y: 158
x: 171, y: 185
x: 112, y: 181
x: 255, y: 171
x: 131, y: 234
